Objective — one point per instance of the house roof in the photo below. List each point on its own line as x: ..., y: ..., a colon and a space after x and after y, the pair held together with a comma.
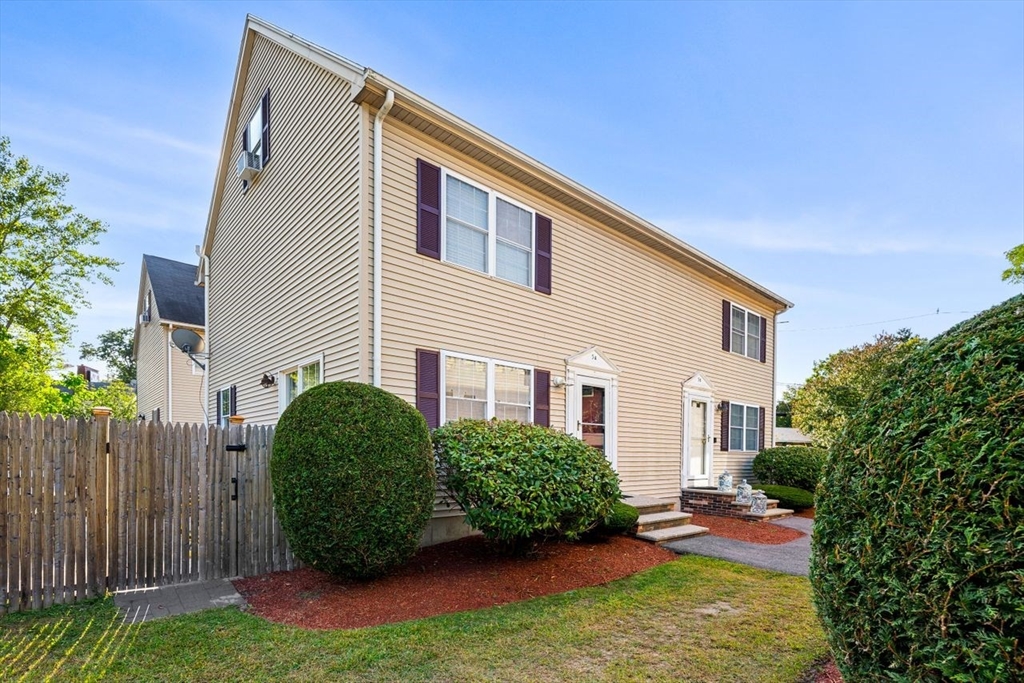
x: 427, y: 117
x: 178, y: 297
x: 791, y: 435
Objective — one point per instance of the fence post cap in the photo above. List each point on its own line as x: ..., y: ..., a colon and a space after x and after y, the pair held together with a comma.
x: 102, y: 411
x: 236, y: 419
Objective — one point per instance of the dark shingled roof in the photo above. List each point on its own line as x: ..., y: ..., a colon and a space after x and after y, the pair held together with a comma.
x: 178, y: 297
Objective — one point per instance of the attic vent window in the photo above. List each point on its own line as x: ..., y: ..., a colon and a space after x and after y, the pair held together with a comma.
x: 255, y: 142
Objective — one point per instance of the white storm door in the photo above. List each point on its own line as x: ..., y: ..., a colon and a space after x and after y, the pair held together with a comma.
x: 594, y: 409
x: 698, y: 442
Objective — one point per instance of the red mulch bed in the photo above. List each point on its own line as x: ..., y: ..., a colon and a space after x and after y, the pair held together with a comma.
x: 742, y: 530
x: 461, y: 575
x: 807, y: 514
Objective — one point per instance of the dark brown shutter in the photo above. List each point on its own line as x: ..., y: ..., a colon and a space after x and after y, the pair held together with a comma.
x: 725, y: 426
x: 234, y: 400
x: 156, y: 414
x: 726, y: 325
x: 542, y: 398
x: 542, y: 259
x: 265, y: 142
x: 760, y: 433
x: 428, y: 220
x: 428, y: 386
x: 764, y: 339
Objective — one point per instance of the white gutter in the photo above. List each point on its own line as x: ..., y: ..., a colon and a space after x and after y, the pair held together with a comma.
x: 378, y: 129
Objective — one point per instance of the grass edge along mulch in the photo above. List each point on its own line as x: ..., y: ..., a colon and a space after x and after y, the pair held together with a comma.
x: 694, y: 618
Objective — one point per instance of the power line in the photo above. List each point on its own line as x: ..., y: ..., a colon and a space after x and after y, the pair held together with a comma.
x: 878, y: 322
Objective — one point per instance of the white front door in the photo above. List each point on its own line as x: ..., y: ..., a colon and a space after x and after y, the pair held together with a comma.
x: 593, y: 410
x: 697, y: 442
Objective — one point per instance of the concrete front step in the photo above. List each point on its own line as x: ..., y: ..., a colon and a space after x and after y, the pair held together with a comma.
x: 661, y: 520
x: 771, y: 504
x: 672, y: 533
x: 770, y: 515
x: 647, y: 505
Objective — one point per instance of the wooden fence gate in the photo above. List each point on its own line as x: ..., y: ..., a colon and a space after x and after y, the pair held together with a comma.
x: 96, y: 505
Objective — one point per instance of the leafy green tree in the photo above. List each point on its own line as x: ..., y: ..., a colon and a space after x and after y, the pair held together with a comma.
x: 78, y: 399
x: 43, y: 273
x: 784, y: 413
x: 116, y: 349
x: 25, y: 382
x: 1015, y: 273
x: 839, y: 384
x: 43, y: 269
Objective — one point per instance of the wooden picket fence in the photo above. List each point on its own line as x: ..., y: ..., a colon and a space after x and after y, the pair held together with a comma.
x: 97, y: 505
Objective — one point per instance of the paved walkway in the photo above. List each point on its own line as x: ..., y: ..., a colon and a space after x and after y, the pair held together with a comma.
x: 152, y: 603
x: 789, y: 558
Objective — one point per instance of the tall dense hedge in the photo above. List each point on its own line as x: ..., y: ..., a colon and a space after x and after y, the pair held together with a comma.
x: 353, y: 478
x: 521, y: 482
x: 918, y: 550
x: 796, y: 466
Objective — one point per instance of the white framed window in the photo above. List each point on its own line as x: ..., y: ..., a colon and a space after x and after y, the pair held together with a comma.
x: 486, y: 231
x: 299, y: 378
x: 744, y: 427
x: 746, y: 332
x: 255, y: 135
x: 481, y: 388
x: 223, y: 406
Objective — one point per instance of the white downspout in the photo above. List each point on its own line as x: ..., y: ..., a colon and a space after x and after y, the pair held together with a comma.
x: 206, y: 337
x: 378, y: 128
x: 170, y: 378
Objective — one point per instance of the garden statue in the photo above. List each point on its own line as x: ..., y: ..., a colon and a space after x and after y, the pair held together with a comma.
x: 759, y: 503
x: 743, y: 492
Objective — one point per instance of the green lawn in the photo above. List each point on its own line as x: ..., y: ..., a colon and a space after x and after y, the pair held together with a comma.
x: 693, y: 619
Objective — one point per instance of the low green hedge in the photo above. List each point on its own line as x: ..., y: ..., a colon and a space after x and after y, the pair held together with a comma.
x: 521, y: 482
x: 621, y: 519
x: 796, y: 466
x: 789, y: 497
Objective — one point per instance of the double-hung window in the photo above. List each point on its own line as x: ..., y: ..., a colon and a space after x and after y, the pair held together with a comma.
x: 223, y: 406
x: 300, y: 378
x: 744, y: 425
x: 487, y: 232
x: 746, y: 333
x: 482, y: 388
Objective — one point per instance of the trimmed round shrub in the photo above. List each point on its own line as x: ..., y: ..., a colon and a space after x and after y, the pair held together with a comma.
x: 796, y: 466
x: 789, y: 498
x: 620, y: 520
x: 353, y: 478
x: 917, y: 560
x: 521, y: 482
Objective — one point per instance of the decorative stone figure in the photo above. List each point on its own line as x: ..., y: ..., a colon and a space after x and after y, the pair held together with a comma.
x: 725, y: 481
x: 759, y: 503
x: 743, y: 492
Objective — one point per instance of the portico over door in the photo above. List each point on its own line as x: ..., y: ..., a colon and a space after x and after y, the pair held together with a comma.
x: 698, y: 428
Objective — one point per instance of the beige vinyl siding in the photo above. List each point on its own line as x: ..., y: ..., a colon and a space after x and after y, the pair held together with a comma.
x: 151, y: 363
x: 285, y: 260
x: 656, y: 320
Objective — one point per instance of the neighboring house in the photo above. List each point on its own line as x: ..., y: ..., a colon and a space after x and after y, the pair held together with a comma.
x: 791, y: 436
x: 170, y: 385
x: 360, y: 232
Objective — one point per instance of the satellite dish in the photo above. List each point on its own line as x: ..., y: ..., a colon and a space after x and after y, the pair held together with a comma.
x: 187, y: 341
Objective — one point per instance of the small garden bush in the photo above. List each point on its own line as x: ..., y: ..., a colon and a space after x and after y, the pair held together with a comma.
x: 620, y: 520
x: 796, y: 466
x: 520, y: 482
x: 353, y: 478
x: 917, y: 561
x: 789, y: 497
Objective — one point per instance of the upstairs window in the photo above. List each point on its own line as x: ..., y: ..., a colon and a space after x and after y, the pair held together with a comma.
x: 487, y: 232
x: 256, y: 135
x: 743, y: 332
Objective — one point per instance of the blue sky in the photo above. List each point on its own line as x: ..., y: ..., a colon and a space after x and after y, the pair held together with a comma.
x: 864, y: 160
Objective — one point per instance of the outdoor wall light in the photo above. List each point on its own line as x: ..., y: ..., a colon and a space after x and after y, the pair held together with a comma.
x: 268, y: 380
x: 720, y: 407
